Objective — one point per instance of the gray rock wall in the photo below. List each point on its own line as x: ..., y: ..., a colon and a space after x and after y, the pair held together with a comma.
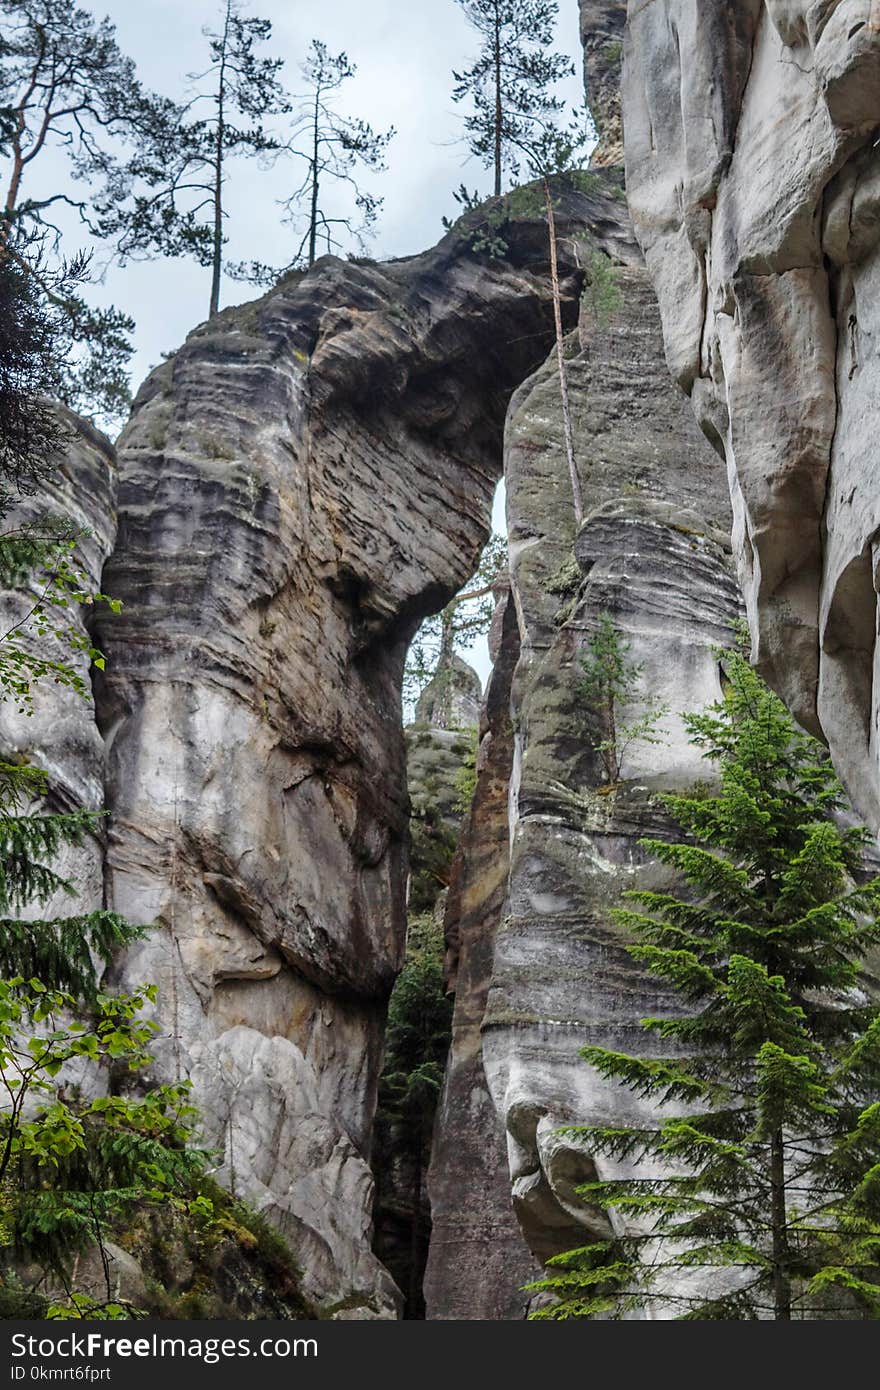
x: 652, y: 553
x: 602, y: 26
x: 540, y: 967
x: 478, y: 1260
x: 753, y: 174
x: 59, y: 733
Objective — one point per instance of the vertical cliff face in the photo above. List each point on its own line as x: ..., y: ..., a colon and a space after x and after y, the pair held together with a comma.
x: 59, y: 734
x: 602, y: 29
x: 652, y: 555
x: 305, y: 479
x: 753, y: 173
x: 478, y: 1258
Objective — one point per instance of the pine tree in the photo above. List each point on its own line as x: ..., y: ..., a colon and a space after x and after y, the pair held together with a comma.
x: 64, y: 83
x: 331, y: 146
x: 509, y: 85
x: 182, y: 206
x: 30, y: 429
x: 750, y: 1189
x: 608, y: 689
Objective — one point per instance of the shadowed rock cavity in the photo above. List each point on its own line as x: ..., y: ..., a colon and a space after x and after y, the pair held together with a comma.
x: 302, y: 482
x: 753, y: 172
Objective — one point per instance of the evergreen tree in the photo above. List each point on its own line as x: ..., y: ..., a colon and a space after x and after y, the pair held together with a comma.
x: 64, y: 83
x: 30, y: 429
x: 181, y: 206
x: 509, y: 85
x: 608, y: 690
x: 331, y: 146
x: 750, y: 1189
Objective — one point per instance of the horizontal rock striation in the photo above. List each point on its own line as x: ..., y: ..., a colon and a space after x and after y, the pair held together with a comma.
x: 478, y: 1260
x: 652, y: 554
x: 753, y: 173
x: 539, y: 965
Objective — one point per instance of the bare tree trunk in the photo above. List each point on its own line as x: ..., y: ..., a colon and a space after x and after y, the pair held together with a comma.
x: 313, y: 225
x: 778, y: 1225
x: 217, y: 258
x: 498, y: 107
x: 577, y: 495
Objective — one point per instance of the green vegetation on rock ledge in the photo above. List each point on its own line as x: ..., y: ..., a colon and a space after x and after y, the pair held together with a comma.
x: 609, y: 692
x: 417, y: 1041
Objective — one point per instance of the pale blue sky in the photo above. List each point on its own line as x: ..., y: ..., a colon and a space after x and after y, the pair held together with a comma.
x: 404, y: 52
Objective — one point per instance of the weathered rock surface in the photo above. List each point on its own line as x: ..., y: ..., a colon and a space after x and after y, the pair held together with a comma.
x: 300, y: 484
x: 59, y: 734
x: 452, y: 697
x: 436, y: 758
x: 753, y: 174
x: 602, y: 28
x: 544, y: 972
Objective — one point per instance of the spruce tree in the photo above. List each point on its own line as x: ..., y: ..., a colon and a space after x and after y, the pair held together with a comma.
x: 509, y: 85
x: 750, y: 1189
x: 417, y: 1042
x: 608, y: 692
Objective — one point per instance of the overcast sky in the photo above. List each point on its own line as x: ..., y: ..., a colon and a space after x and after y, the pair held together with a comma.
x: 404, y: 51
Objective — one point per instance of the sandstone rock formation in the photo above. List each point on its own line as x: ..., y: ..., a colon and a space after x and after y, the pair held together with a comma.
x: 59, y: 734
x: 753, y: 173
x: 437, y: 757
x: 305, y: 479
x: 478, y: 1259
x: 540, y: 967
x: 602, y: 29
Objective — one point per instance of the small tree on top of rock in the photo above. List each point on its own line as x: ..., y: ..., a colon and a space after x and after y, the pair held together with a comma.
x: 331, y: 146
x: 751, y: 1186
x: 609, y: 683
x: 182, y: 206
x: 509, y: 86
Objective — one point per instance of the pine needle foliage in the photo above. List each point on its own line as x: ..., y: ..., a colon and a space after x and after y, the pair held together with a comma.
x: 608, y: 691
x: 417, y: 1043
x: 752, y: 1189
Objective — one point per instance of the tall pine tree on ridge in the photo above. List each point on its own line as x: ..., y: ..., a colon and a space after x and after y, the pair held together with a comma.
x: 509, y: 84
